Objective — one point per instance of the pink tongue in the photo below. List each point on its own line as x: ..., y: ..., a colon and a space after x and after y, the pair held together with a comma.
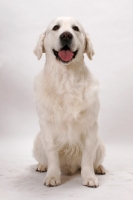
x: 65, y: 55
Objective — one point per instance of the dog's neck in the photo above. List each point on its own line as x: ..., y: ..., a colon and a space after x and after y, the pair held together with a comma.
x: 65, y: 77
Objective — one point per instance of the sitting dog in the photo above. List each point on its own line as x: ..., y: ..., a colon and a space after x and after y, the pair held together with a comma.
x: 68, y: 105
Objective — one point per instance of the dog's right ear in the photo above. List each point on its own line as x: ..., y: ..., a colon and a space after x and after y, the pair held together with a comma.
x: 39, y: 49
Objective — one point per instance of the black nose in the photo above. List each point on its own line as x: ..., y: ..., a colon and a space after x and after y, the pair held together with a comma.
x: 66, y: 36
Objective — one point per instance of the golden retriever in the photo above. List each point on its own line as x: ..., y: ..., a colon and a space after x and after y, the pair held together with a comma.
x: 68, y: 105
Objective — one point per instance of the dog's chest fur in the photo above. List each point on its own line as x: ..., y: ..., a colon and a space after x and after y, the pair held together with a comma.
x: 65, y: 95
x: 67, y: 102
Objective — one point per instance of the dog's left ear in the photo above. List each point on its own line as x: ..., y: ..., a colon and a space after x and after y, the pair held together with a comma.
x: 39, y: 49
x: 88, y: 47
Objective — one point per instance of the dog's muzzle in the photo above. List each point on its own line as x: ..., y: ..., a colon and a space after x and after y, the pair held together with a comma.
x: 65, y: 54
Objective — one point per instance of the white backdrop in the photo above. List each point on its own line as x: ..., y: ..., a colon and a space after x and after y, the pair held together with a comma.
x: 110, y: 25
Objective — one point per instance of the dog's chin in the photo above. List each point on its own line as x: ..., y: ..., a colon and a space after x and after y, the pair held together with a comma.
x: 65, y: 55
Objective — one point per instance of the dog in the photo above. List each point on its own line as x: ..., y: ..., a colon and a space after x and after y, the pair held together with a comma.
x: 66, y: 94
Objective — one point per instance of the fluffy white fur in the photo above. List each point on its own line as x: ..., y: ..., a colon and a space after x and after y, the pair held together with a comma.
x: 68, y: 106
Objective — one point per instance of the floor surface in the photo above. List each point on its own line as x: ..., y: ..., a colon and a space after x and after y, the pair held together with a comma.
x: 19, y: 180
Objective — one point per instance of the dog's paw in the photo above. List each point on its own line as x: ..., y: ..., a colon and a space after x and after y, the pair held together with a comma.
x: 91, y: 182
x: 41, y: 168
x: 100, y: 170
x: 52, y: 181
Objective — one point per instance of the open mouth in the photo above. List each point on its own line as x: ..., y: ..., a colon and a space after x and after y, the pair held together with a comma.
x: 65, y: 54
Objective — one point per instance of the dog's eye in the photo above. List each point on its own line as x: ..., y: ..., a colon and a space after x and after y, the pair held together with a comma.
x: 56, y: 27
x: 75, y: 28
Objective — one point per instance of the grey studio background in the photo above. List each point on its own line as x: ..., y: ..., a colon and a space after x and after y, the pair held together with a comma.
x: 110, y: 25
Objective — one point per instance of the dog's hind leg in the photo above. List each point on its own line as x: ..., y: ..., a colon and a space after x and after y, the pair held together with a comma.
x: 41, y: 168
x: 39, y: 155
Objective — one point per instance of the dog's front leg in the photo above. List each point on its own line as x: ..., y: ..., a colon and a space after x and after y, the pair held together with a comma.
x: 53, y: 176
x: 88, y: 155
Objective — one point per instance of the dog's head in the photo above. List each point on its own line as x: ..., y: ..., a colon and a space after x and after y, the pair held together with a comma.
x: 64, y: 39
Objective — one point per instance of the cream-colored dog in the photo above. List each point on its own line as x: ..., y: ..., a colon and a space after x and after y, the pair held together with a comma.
x: 68, y: 105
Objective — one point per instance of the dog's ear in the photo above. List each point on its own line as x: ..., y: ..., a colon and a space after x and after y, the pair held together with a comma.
x: 88, y: 47
x: 39, y: 49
